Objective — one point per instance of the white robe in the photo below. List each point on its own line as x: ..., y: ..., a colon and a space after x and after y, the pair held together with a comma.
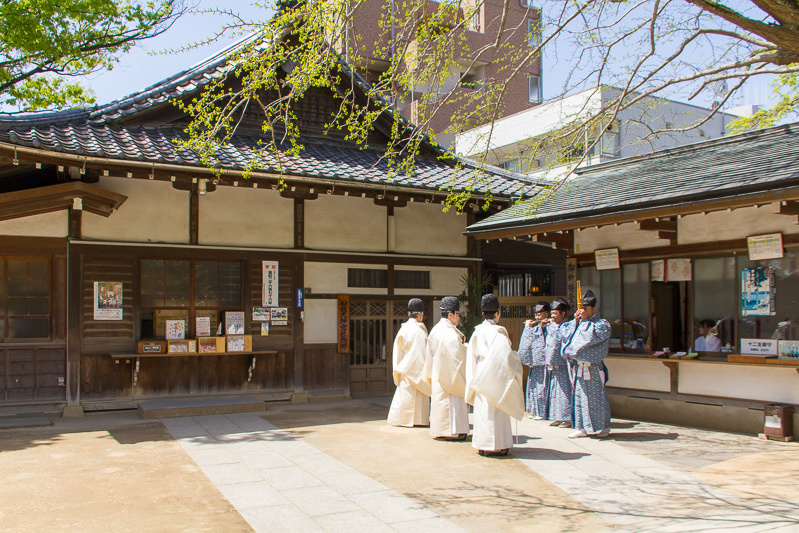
x: 493, y: 386
x: 411, y: 403
x: 449, y: 414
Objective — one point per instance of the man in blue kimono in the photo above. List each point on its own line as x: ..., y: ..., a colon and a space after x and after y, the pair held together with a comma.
x: 532, y: 352
x: 585, y: 345
x: 559, y: 388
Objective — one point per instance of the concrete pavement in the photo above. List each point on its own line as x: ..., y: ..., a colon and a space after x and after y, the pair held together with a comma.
x: 337, y: 466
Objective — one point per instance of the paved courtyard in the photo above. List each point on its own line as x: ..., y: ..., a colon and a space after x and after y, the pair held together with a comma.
x: 338, y: 467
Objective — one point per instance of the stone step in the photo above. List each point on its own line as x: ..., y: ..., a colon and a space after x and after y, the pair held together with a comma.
x: 24, y: 422
x: 209, y: 405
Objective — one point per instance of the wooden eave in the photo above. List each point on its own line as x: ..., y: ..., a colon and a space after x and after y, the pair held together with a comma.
x: 687, y: 207
x: 58, y: 197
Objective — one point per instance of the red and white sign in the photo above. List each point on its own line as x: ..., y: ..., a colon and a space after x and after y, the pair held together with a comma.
x: 270, y: 284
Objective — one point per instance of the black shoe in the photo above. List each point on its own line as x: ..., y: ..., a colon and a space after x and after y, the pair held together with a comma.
x: 462, y: 436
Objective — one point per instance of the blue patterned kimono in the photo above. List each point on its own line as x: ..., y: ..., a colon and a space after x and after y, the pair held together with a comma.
x: 559, y: 387
x: 531, y: 351
x: 586, y: 347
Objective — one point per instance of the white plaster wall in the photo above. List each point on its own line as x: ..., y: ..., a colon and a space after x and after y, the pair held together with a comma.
x: 331, y: 278
x: 625, y: 237
x: 738, y: 224
x: 636, y: 374
x: 778, y: 384
x: 154, y: 212
x: 321, y: 319
x: 45, y: 225
x: 344, y: 223
x: 242, y: 216
x: 425, y: 229
x: 443, y: 280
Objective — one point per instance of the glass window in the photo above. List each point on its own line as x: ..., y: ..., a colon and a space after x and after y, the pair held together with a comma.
x: 24, y: 298
x: 186, y: 289
x: 635, y: 334
x: 715, y: 288
x: 533, y: 32
x: 782, y: 322
x: 534, y: 89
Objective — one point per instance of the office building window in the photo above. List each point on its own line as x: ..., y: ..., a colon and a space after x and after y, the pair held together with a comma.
x: 534, y: 89
x: 533, y: 32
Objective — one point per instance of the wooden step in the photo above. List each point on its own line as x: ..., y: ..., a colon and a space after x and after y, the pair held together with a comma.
x: 207, y: 405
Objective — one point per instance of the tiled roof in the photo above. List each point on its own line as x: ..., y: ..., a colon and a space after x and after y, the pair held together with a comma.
x: 731, y: 166
x: 329, y: 160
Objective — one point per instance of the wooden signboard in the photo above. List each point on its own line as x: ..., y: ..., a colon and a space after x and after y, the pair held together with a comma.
x: 343, y: 326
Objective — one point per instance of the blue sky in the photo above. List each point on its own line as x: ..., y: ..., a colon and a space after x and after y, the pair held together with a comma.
x: 143, y: 67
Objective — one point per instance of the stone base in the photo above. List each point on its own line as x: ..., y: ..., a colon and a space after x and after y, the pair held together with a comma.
x: 72, y: 411
x: 171, y: 408
x: 299, y: 397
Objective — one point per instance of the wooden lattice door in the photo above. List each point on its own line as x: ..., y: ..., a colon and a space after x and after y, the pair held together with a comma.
x: 370, y: 347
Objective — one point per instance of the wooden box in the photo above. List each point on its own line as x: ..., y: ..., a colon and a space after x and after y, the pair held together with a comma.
x: 210, y: 344
x: 151, y: 347
x: 779, y: 420
x: 181, y: 347
x: 239, y: 343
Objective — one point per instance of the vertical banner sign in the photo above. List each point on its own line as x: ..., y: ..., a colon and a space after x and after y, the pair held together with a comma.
x: 343, y: 326
x: 758, y: 292
x: 299, y: 297
x: 571, y: 282
x: 270, y: 284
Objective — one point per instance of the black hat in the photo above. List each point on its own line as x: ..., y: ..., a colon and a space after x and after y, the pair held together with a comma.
x: 589, y: 299
x: 489, y: 303
x: 559, y: 304
x: 415, y: 305
x: 542, y: 307
x: 450, y: 304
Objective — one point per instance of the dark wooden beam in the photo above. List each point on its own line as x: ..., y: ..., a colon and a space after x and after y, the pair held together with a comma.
x: 789, y: 207
x: 663, y: 224
x: 194, y: 216
x: 391, y: 202
x: 562, y: 241
x: 668, y: 235
x: 299, y: 193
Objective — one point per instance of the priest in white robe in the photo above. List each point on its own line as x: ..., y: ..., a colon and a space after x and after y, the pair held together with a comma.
x: 411, y: 356
x: 449, y: 414
x: 493, y: 383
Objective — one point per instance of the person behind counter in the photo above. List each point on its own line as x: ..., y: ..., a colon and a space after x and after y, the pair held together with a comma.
x: 708, y: 340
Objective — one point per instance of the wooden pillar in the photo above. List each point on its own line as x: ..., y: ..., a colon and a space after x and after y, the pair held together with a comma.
x: 299, y: 395
x: 74, y: 313
x: 75, y: 230
x: 194, y: 216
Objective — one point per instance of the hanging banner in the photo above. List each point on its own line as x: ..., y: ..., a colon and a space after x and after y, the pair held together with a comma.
x: 343, y: 326
x: 763, y: 247
x: 758, y: 292
x: 658, y: 269
x: 107, y: 300
x: 571, y: 283
x: 270, y: 284
x: 678, y: 270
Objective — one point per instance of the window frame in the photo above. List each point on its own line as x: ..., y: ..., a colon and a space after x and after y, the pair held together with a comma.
x: 5, y: 315
x: 539, y: 89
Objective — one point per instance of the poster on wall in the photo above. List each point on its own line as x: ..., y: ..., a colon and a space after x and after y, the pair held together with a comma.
x: 260, y: 314
x: 607, y: 259
x: 343, y: 326
x: 763, y: 247
x: 678, y: 270
x: 280, y: 316
x: 270, y: 284
x: 758, y: 292
x: 107, y: 300
x: 658, y: 269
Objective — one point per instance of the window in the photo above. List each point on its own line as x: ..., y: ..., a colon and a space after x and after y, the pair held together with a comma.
x: 634, y: 332
x: 185, y: 290
x: 534, y: 89
x: 412, y: 279
x: 370, y: 278
x: 527, y: 3
x: 512, y: 165
x: 714, y: 297
x: 783, y: 321
x: 24, y: 298
x: 611, y: 141
x: 533, y: 32
x: 606, y: 285
x: 524, y: 281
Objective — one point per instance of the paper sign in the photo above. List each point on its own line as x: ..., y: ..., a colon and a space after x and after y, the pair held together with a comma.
x: 203, y: 326
x: 758, y: 292
x: 658, y: 270
x: 765, y: 246
x: 789, y: 350
x: 270, y: 284
x: 678, y: 270
x: 175, y: 329
x: 234, y: 323
x: 279, y: 316
x: 260, y: 314
x: 607, y: 259
x: 759, y: 346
